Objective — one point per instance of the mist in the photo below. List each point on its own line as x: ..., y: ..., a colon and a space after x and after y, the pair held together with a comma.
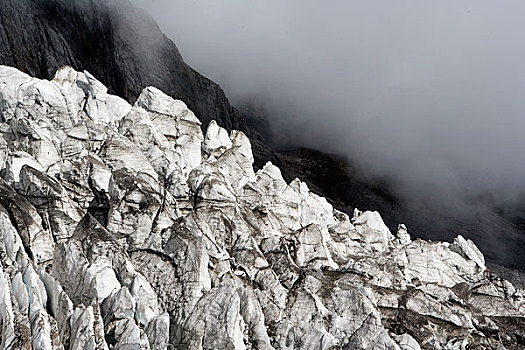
x: 429, y: 94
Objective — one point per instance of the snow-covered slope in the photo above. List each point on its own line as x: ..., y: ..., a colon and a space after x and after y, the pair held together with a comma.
x: 124, y: 227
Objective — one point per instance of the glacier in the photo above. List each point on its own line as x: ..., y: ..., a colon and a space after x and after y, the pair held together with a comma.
x: 128, y: 227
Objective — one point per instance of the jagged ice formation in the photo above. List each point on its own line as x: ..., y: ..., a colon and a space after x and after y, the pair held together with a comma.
x: 125, y: 227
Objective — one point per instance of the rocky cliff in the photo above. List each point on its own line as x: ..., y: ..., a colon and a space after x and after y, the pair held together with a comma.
x: 126, y: 227
x: 118, y: 43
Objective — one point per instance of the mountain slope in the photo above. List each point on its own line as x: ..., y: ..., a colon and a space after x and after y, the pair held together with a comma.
x: 118, y: 43
x: 124, y: 47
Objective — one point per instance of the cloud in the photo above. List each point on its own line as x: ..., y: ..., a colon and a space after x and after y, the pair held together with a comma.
x: 430, y: 94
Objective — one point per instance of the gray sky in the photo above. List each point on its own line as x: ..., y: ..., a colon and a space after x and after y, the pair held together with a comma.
x: 429, y: 93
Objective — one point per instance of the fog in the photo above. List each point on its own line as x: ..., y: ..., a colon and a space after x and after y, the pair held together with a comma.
x: 427, y: 93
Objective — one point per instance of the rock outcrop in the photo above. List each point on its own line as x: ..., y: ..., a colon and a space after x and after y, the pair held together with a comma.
x: 127, y: 227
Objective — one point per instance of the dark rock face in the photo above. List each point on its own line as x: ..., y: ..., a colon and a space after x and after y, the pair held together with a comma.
x: 118, y: 43
x: 110, y: 39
